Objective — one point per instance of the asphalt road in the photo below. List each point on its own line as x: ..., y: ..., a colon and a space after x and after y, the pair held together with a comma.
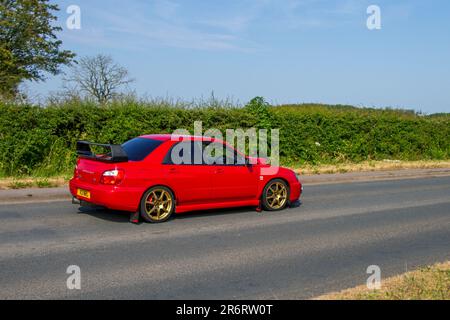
x: 324, y: 245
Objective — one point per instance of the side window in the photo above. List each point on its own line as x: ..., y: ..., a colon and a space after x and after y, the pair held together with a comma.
x: 239, y: 158
x: 206, y: 153
x: 184, y: 153
x: 179, y: 153
x: 221, y: 154
x: 213, y: 153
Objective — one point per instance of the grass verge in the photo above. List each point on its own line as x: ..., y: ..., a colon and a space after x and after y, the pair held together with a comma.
x: 32, y: 182
x: 429, y: 283
x: 58, y: 181
x: 384, y: 165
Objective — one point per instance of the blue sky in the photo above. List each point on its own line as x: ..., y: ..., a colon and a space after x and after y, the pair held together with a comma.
x: 287, y: 51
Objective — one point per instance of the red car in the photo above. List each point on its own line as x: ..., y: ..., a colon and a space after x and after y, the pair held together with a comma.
x: 142, y: 177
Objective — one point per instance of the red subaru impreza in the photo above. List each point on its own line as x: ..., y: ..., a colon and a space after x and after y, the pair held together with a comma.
x: 155, y: 176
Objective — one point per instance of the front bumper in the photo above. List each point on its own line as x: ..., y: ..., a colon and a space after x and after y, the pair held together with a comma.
x: 295, y: 204
x: 295, y: 192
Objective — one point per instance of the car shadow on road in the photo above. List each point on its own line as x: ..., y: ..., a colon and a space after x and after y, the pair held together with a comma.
x: 212, y: 212
x: 106, y: 214
x: 124, y: 217
x: 228, y: 211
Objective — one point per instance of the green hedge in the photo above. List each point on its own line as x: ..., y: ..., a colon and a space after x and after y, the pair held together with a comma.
x: 40, y: 141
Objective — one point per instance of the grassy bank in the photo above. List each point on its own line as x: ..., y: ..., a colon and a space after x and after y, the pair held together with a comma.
x: 430, y: 283
x: 384, y: 165
x: 40, y: 141
x: 33, y: 182
x: 58, y: 181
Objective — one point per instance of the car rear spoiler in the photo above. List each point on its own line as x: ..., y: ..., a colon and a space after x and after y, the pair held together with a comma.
x: 116, y: 152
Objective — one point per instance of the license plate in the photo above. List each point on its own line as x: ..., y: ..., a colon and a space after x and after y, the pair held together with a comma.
x: 83, y: 193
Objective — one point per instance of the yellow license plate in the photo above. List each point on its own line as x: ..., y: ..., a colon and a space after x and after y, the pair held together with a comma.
x: 83, y: 193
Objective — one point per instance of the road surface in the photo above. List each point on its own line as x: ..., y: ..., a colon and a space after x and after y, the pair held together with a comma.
x: 324, y: 245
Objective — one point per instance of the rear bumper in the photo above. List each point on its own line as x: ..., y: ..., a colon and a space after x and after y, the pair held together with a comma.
x: 112, y: 197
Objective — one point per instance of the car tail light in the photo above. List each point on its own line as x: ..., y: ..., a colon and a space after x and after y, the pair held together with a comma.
x: 112, y: 177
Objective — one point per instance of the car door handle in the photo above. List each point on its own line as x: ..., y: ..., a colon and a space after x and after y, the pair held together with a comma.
x: 172, y: 170
x: 218, y: 171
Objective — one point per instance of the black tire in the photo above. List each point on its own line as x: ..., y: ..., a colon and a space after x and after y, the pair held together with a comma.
x: 145, y: 206
x: 266, y: 203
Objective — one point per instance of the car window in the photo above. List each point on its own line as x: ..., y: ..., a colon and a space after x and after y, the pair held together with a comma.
x: 203, y: 153
x: 138, y: 149
x: 217, y: 153
x: 185, y: 153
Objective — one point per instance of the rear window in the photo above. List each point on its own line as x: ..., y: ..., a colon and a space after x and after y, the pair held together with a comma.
x: 139, y: 148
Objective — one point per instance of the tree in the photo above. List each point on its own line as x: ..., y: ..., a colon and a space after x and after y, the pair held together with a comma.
x: 99, y: 77
x: 29, y: 47
x: 259, y: 107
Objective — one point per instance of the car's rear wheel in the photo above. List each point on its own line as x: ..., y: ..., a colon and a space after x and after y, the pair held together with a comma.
x: 157, y: 204
x: 275, y: 195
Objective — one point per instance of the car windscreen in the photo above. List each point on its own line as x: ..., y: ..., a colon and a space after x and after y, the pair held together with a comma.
x: 139, y: 148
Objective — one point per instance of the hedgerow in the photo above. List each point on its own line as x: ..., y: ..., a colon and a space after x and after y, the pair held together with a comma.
x: 41, y: 141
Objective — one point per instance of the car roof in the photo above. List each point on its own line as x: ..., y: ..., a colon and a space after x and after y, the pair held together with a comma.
x: 175, y: 137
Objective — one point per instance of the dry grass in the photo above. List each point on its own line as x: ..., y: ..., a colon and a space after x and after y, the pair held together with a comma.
x: 21, y: 183
x: 371, y: 166
x: 430, y: 283
x: 30, y: 182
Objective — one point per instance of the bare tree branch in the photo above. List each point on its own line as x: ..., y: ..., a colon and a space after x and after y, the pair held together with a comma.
x: 99, y: 77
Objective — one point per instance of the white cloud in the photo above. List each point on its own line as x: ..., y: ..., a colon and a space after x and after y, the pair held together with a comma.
x: 170, y: 23
x: 232, y: 24
x: 170, y: 31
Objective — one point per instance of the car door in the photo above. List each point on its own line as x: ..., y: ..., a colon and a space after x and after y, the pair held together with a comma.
x: 190, y: 179
x: 232, y: 180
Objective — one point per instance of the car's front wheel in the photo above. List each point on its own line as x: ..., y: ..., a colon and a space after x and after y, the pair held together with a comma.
x: 275, y: 195
x: 157, y: 204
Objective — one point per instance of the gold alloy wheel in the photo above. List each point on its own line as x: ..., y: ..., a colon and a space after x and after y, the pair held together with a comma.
x: 158, y: 204
x: 276, y: 195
